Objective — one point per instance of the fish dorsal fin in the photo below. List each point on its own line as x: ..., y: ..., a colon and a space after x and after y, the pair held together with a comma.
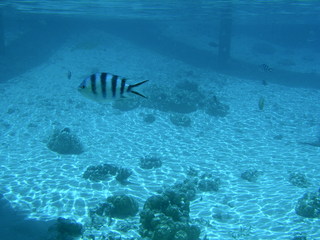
x: 137, y: 93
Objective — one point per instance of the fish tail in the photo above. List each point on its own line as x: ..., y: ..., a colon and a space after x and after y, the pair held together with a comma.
x: 139, y: 94
x: 136, y: 85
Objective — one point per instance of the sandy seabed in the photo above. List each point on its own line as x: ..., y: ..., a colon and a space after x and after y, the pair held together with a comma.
x: 47, y: 185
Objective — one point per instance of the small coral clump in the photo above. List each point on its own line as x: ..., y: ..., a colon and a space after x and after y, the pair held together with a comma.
x: 117, y: 206
x: 203, y: 181
x: 123, y: 206
x: 150, y: 162
x: 184, y: 98
x: 105, y: 171
x: 63, y: 141
x: 251, y: 175
x: 187, y: 189
x: 123, y: 174
x: 175, y: 100
x: 166, y: 217
x: 65, y: 229
x: 181, y: 120
x: 209, y: 183
x: 309, y: 205
x: 299, y: 180
x: 299, y: 237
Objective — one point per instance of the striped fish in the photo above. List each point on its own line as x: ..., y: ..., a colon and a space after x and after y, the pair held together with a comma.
x: 104, y: 87
x: 265, y: 68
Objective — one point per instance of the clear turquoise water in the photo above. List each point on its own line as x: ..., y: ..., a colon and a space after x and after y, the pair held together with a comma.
x: 272, y: 124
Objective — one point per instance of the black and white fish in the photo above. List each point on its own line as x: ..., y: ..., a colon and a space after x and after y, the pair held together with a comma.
x: 104, y: 87
x: 264, y: 67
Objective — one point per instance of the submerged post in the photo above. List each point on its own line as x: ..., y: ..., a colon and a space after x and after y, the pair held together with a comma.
x: 225, y: 34
x: 1, y: 33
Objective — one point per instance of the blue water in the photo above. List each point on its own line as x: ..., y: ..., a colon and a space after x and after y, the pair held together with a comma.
x: 291, y: 25
x: 232, y: 39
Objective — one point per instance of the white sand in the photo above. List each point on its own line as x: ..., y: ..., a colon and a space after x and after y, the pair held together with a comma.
x: 47, y: 185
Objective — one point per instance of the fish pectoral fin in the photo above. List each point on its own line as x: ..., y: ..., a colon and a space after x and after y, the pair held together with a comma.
x: 139, y: 94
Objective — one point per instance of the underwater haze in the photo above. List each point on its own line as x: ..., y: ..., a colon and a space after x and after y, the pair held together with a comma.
x: 160, y: 120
